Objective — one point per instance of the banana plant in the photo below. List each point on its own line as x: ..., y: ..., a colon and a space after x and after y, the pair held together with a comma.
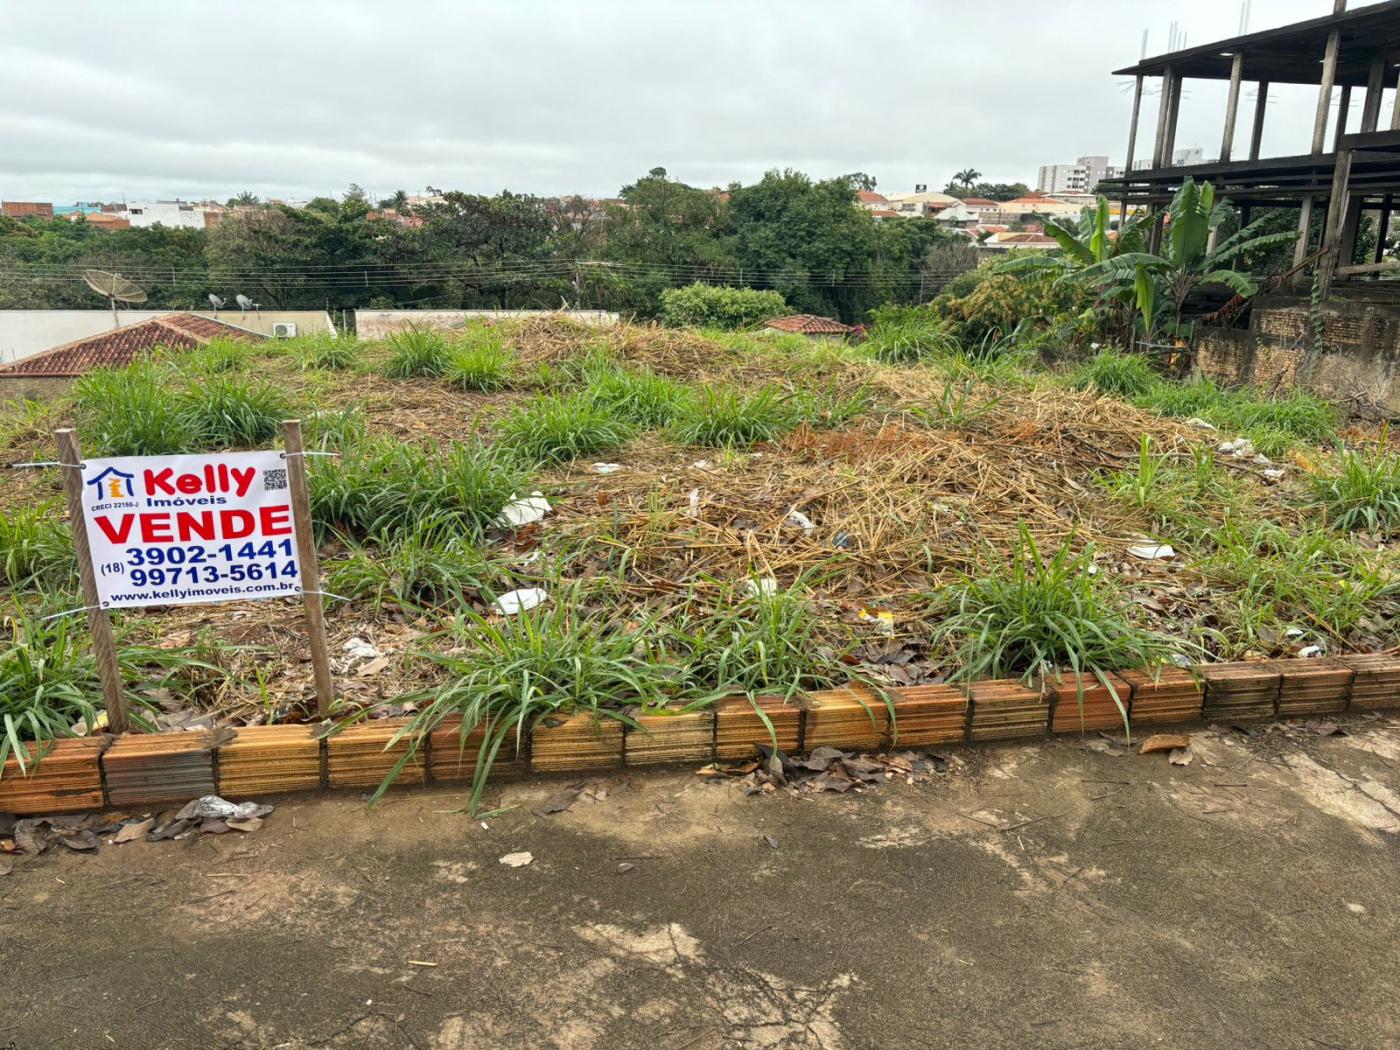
x: 1161, y: 283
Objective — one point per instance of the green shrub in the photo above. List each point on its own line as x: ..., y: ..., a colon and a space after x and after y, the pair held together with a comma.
x: 553, y: 428
x: 723, y: 417
x: 479, y: 365
x: 1120, y: 375
x: 417, y: 352
x: 717, y: 306
x: 1041, y: 614
x: 132, y: 412
x: 1363, y: 494
x: 381, y: 488
x: 36, y: 548
x: 227, y: 411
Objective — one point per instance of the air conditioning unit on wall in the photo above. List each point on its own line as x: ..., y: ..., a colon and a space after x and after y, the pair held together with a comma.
x: 284, y: 330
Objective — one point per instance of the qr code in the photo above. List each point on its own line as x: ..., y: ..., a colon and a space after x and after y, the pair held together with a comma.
x: 274, y: 479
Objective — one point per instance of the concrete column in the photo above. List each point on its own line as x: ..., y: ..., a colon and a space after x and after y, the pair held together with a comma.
x: 1232, y: 107
x: 1163, y: 114
x: 1256, y: 136
x: 1324, y: 90
x: 1375, y: 84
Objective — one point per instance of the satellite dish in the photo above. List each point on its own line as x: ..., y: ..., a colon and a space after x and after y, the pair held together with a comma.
x: 215, y: 302
x: 245, y: 304
x: 115, y: 287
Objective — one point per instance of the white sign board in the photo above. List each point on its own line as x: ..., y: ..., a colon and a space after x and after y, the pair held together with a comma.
x: 185, y: 530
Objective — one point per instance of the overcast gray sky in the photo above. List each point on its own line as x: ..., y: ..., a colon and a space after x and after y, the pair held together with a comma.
x: 294, y: 99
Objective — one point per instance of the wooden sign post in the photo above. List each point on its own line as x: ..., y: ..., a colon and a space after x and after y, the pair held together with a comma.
x: 104, y: 645
x: 310, y: 568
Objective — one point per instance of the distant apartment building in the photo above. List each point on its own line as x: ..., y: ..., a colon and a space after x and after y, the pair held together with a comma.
x: 1083, y: 176
x: 174, y: 214
x: 26, y: 209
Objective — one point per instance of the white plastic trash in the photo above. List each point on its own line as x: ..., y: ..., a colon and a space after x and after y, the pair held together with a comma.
x: 799, y: 520
x: 606, y: 468
x: 1152, y: 551
x: 520, y: 601
x: 765, y: 587
x: 525, y: 511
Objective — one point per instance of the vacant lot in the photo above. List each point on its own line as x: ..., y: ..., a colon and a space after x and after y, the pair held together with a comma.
x: 1032, y: 897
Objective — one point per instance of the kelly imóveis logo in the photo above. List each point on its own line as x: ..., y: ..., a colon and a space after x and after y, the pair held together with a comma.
x: 112, y: 488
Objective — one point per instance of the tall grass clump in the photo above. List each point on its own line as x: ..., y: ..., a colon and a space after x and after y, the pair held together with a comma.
x: 380, y: 488
x: 1364, y: 494
x: 904, y: 335
x: 132, y: 412
x: 753, y: 644
x: 1041, y: 614
x: 554, y: 428
x: 1119, y: 375
x: 1269, y: 579
x: 506, y: 676
x: 36, y: 548
x: 49, y: 681
x: 327, y: 352
x: 417, y: 352
x: 213, y: 358
x: 430, y: 565
x: 1274, y: 425
x: 481, y: 363
x: 643, y: 398
x: 726, y: 417
x: 228, y: 411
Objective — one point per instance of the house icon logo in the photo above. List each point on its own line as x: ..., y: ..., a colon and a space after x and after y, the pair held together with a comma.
x: 112, y: 484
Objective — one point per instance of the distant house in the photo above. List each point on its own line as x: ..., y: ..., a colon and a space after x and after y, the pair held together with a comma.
x: 1002, y: 242
x: 105, y: 219
x: 872, y: 201
x: 26, y: 209
x: 1023, y: 208
x: 920, y: 202
x: 52, y: 370
x: 811, y: 325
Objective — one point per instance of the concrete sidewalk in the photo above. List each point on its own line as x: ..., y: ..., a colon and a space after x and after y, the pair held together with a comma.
x: 1045, y: 896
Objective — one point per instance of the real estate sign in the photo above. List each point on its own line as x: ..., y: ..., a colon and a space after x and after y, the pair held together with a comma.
x: 182, y: 530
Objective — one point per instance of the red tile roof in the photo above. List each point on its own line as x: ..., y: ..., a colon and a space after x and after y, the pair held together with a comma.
x: 981, y: 202
x: 871, y: 197
x: 122, y: 346
x: 809, y: 324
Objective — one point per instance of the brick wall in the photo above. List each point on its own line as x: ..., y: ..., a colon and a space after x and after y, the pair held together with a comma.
x: 1360, y: 355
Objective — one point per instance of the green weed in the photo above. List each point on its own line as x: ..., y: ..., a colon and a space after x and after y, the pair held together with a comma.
x: 431, y: 565
x: 417, y: 352
x: 724, y: 417
x: 1364, y: 493
x: 643, y: 398
x: 1044, y: 613
x: 482, y: 364
x: 36, y: 548
x: 1121, y: 375
x: 132, y: 412
x: 227, y: 411
x: 554, y: 428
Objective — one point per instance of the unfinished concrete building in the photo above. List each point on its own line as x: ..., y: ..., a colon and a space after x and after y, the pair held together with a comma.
x: 1332, y: 321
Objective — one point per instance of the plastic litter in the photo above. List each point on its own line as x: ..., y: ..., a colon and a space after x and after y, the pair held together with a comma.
x: 1309, y: 651
x: 761, y: 588
x: 523, y: 600
x: 1200, y: 424
x: 799, y: 520
x: 212, y: 807
x: 1240, y: 448
x: 606, y: 468
x: 525, y: 511
x: 359, y: 649
x: 1152, y: 551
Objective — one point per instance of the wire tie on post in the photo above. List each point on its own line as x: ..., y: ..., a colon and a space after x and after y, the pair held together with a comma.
x: 48, y: 463
x: 328, y: 594
x: 70, y: 612
x: 286, y: 455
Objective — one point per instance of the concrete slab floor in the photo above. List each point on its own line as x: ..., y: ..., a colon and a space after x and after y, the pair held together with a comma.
x: 1039, y: 896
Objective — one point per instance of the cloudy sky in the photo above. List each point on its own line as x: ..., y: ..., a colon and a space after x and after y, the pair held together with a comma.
x: 293, y: 99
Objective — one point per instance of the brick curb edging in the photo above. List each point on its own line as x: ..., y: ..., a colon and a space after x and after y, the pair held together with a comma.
x: 141, y: 770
